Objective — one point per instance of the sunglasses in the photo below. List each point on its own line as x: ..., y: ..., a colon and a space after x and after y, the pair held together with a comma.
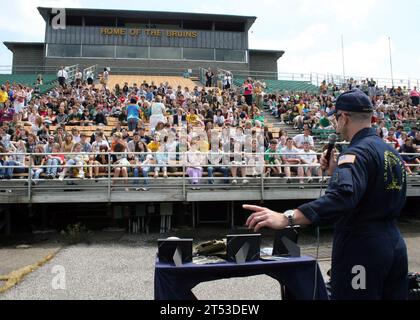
x: 338, y: 115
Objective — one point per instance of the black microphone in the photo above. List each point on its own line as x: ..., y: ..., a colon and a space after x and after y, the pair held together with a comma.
x: 332, y: 139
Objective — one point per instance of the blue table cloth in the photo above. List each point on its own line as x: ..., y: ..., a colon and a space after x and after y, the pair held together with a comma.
x: 296, y: 274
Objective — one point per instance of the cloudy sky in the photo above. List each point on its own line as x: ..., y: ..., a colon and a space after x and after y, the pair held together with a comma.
x: 308, y: 30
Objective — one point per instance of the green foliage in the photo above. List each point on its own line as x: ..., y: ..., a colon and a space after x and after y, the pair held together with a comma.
x: 77, y: 233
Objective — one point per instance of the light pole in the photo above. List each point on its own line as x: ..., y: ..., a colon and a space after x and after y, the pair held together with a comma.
x: 342, y: 51
x: 390, y: 61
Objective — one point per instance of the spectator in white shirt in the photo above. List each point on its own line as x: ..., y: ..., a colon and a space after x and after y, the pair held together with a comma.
x: 105, y: 77
x: 305, y: 137
x: 194, y: 162
x: 62, y: 76
x: 227, y: 81
x: 76, y: 135
x: 308, y: 157
x: 78, y: 77
x: 290, y: 155
x: 219, y: 119
x: 99, y: 141
x: 5, y: 138
x: 384, y: 129
x: 89, y: 77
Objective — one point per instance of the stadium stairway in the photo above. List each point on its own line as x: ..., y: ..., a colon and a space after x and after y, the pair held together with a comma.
x: 174, y: 82
x: 320, y: 136
x: 275, y: 126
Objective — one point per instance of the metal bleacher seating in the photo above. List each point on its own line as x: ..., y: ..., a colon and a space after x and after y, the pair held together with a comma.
x: 49, y: 80
x: 283, y: 85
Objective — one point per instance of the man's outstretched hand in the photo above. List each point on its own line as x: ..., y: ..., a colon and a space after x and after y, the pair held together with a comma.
x: 265, y: 218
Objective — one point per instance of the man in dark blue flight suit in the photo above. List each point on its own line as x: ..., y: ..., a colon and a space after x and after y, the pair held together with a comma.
x: 365, y: 196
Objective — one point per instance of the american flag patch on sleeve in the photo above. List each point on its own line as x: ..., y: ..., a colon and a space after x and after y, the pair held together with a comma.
x: 347, y: 159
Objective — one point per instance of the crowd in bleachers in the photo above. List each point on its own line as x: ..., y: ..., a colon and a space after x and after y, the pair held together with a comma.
x: 396, y: 116
x: 153, y: 129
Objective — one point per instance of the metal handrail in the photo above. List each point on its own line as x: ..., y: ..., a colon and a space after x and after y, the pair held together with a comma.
x: 316, y: 78
x: 179, y: 163
x: 202, y: 75
x: 93, y: 70
x: 170, y: 153
x: 224, y: 73
x: 313, y: 77
x: 71, y: 71
x: 259, y: 178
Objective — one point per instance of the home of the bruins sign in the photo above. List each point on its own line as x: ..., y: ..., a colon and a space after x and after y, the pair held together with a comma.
x: 148, y: 32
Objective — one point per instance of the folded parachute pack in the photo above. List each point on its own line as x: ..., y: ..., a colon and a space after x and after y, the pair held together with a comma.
x: 216, y: 248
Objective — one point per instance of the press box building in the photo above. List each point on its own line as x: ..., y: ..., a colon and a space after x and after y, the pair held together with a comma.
x: 124, y: 40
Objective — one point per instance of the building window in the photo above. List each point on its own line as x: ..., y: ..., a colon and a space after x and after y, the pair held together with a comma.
x: 133, y: 52
x: 90, y: 51
x: 63, y: 51
x: 165, y: 53
x: 231, y: 55
x: 198, y: 54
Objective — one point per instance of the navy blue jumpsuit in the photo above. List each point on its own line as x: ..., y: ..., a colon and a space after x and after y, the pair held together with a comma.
x: 364, y: 198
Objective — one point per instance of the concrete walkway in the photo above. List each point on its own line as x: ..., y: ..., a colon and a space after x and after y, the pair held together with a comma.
x: 123, y: 268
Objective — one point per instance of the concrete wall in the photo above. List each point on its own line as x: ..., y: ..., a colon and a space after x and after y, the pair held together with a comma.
x: 127, y: 66
x: 263, y: 61
x: 26, y: 57
x: 31, y: 55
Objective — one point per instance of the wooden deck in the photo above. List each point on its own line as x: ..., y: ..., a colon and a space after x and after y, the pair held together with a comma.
x: 174, y: 82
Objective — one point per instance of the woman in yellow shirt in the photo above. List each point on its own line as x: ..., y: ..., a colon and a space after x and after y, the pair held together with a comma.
x: 193, y: 119
x: 301, y: 106
x: 3, y: 96
x: 155, y: 144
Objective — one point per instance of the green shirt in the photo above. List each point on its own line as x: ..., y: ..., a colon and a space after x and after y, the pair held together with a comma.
x: 271, y: 156
x: 324, y: 122
x: 261, y: 119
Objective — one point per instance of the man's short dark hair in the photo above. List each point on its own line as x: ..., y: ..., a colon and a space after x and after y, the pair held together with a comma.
x: 133, y: 100
x: 274, y: 142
